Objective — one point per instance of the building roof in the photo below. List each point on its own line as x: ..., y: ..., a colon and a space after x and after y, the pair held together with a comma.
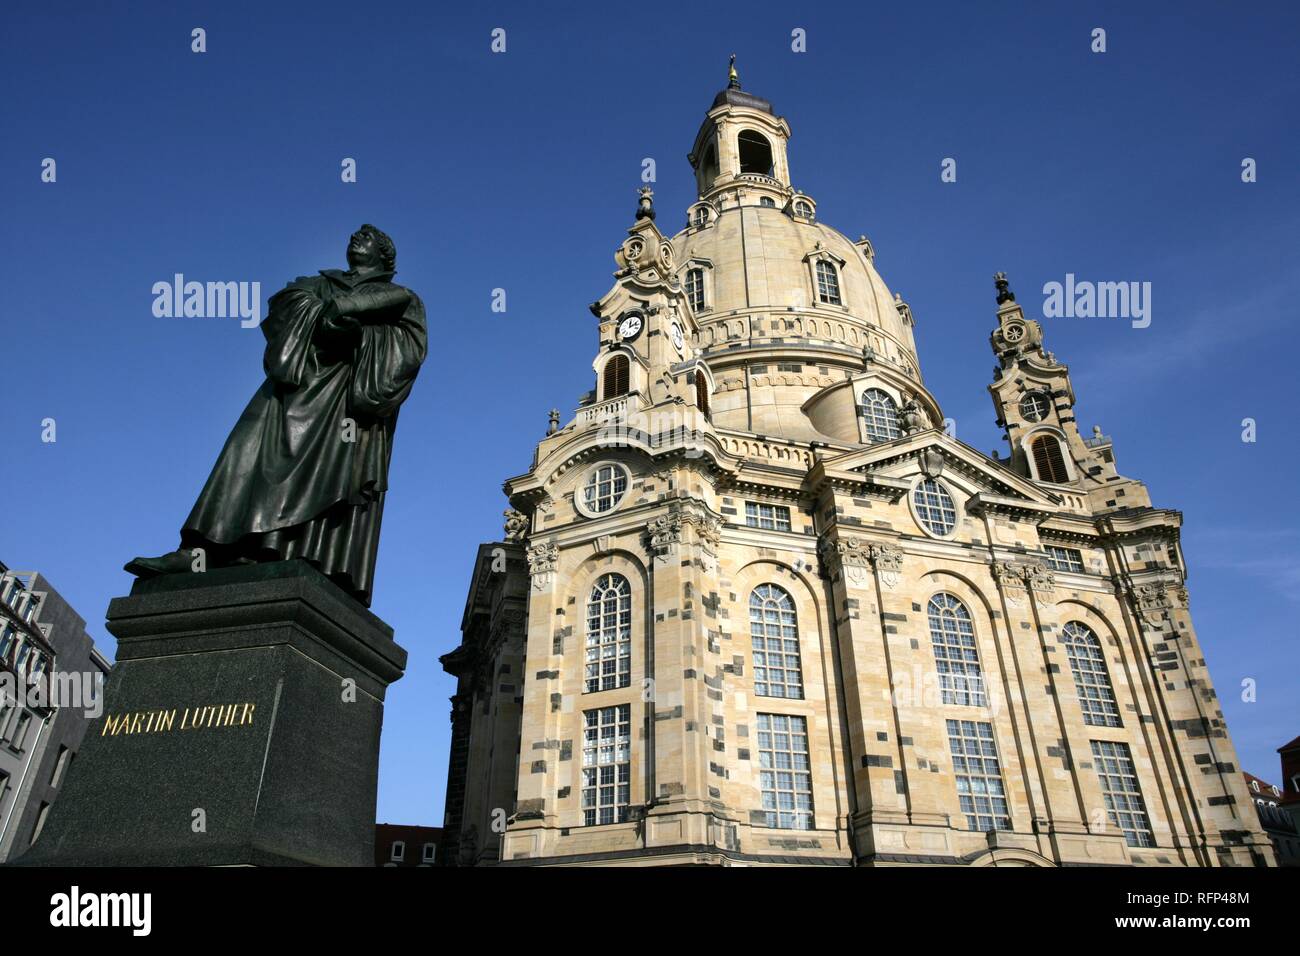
x: 738, y: 97
x: 1259, y: 787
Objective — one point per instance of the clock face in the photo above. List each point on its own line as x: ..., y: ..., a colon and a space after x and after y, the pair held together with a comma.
x: 630, y: 327
x: 675, y: 333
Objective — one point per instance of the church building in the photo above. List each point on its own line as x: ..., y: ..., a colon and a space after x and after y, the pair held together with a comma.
x: 754, y: 604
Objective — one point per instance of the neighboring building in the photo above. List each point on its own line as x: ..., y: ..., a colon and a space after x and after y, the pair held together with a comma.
x: 1290, y: 754
x: 48, y: 664
x: 397, y: 845
x: 1277, y: 823
x: 755, y: 604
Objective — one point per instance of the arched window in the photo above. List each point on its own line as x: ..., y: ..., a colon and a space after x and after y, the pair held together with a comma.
x: 755, y: 153
x: 695, y: 289
x: 767, y: 201
x: 934, y: 507
x: 609, y: 634
x: 616, y: 377
x: 776, y: 643
x: 879, y: 416
x: 701, y: 215
x: 828, y: 282
x: 702, y: 393
x: 953, y: 636
x: 801, y: 208
x: 1088, y: 664
x: 1048, y: 459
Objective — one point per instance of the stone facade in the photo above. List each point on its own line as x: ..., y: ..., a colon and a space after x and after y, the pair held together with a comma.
x: 754, y: 601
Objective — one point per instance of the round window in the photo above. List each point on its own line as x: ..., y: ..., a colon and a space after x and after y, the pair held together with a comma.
x: 603, y: 490
x: 1035, y: 406
x: 934, y: 508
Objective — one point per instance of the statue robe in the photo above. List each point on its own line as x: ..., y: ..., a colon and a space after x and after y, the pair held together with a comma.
x: 287, y: 483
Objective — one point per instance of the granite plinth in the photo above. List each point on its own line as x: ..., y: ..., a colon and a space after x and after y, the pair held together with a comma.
x: 241, y: 726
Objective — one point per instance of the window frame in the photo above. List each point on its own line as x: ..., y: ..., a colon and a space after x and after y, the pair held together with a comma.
x: 1072, y: 556
x: 761, y: 655
x: 1029, y: 396
x: 1100, y: 703
x: 619, y: 641
x: 579, y: 493
x: 962, y: 772
x: 1032, y: 442
x: 869, y: 412
x: 778, y: 514
x: 833, y: 296
x: 620, y: 366
x: 765, y: 723
x: 621, y: 746
x: 921, y: 521
x: 1122, y: 754
x: 960, y: 659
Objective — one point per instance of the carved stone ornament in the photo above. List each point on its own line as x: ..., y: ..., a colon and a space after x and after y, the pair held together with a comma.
x: 1042, y: 581
x: 1155, y: 600
x: 1011, y: 579
x: 932, y: 462
x: 912, y: 418
x: 848, y: 556
x: 516, y: 525
x: 542, y: 561
x: 666, y: 531
x: 889, y: 563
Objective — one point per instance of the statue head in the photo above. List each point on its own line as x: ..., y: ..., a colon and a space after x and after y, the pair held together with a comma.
x: 370, y: 248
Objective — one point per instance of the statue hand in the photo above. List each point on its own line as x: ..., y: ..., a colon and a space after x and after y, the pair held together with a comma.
x: 339, y: 331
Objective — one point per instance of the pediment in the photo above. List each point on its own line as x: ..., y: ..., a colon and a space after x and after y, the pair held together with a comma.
x: 895, y: 464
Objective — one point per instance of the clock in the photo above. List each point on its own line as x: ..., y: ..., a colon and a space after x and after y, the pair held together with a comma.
x: 631, y: 326
x: 679, y: 340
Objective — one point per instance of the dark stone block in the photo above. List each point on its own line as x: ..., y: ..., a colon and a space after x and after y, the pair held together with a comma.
x: 282, y: 765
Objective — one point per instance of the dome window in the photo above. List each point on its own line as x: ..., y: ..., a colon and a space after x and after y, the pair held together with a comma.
x: 695, y: 289
x: 879, y: 416
x: 701, y: 217
x: 828, y: 283
x: 755, y: 153
x: 768, y: 202
x: 801, y: 208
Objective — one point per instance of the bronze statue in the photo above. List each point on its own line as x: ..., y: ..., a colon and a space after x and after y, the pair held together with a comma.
x: 304, y: 472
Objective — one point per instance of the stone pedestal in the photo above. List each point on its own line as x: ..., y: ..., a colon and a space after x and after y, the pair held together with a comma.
x: 241, y: 726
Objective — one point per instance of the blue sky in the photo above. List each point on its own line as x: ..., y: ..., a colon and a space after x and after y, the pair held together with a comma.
x: 519, y: 170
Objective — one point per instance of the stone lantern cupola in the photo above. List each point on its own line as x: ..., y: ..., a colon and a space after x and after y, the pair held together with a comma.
x: 741, y: 145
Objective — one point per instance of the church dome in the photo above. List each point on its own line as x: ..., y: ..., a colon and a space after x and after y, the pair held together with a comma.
x: 763, y: 260
x: 791, y: 314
